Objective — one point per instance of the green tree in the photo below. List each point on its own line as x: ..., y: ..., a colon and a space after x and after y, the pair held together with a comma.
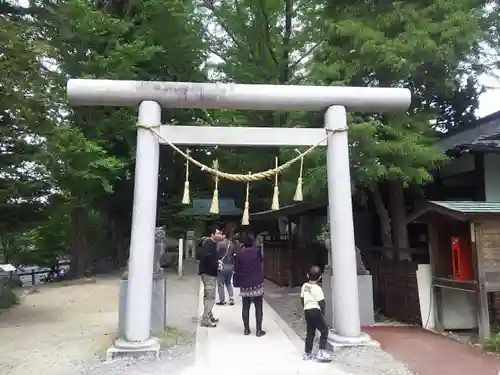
x: 265, y: 42
x: 428, y: 47
x: 91, y: 152
x: 24, y: 122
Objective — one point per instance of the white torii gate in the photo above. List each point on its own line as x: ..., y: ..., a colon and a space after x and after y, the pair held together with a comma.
x: 151, y: 96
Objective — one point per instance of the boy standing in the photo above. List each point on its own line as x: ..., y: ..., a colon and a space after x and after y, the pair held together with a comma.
x: 313, y: 302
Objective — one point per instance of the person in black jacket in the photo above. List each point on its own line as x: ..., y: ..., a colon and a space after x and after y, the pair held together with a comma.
x: 208, y: 269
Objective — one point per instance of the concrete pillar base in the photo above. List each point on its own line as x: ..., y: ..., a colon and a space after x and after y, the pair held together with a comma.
x: 126, y: 349
x: 158, y: 305
x: 337, y: 341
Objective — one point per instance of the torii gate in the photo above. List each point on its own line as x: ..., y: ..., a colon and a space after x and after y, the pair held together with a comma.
x: 151, y: 96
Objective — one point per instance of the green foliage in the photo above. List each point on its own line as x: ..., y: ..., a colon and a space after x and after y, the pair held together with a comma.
x: 265, y: 42
x: 8, y: 297
x: 23, y: 122
x: 428, y: 47
x: 66, y: 173
x: 492, y: 344
x: 83, y: 158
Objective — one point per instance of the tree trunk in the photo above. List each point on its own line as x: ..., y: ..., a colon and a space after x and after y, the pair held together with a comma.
x: 383, y: 214
x: 397, y: 209
x: 287, y: 35
x: 79, y: 224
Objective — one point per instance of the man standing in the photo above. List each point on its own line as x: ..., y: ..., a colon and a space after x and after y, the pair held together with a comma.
x: 207, y: 269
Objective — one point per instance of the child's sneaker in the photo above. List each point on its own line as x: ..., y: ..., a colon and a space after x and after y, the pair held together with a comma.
x: 307, y: 356
x: 324, y: 356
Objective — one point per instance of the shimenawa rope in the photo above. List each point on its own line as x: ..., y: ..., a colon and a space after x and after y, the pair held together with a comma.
x: 240, y: 177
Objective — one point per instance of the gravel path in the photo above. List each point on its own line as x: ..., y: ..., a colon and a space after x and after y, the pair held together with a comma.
x: 56, y: 326
x: 182, y: 317
x: 67, y: 329
x: 358, y: 361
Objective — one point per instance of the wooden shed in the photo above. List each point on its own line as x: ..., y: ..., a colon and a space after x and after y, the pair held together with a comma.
x: 464, y: 239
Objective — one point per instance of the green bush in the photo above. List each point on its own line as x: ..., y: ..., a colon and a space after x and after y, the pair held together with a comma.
x: 8, y: 297
x: 493, y: 343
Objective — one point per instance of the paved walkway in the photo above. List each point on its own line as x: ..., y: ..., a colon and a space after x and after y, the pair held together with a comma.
x: 427, y: 353
x: 226, y: 350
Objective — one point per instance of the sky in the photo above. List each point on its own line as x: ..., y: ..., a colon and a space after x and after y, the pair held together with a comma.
x: 489, y: 101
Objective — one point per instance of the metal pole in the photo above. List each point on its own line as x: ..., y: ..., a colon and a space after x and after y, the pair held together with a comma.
x: 181, y: 256
x: 142, y: 243
x: 344, y: 278
x: 165, y: 299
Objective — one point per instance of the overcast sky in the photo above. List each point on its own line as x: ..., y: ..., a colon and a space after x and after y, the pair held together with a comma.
x: 489, y: 101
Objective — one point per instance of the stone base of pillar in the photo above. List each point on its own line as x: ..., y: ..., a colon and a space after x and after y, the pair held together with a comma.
x: 158, y: 305
x: 125, y: 349
x: 338, y: 341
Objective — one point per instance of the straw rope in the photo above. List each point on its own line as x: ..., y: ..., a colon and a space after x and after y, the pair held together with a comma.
x: 235, y: 176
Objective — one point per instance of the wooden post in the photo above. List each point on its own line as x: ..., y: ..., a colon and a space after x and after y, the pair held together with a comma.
x: 181, y: 257
x: 437, y: 292
x: 483, y: 316
x: 290, y: 252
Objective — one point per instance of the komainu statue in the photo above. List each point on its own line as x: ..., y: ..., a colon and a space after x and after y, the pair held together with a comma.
x: 325, y: 238
x: 160, y: 247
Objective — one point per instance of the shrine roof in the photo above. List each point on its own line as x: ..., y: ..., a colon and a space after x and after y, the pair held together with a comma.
x: 302, y: 208
x: 201, y: 207
x: 483, y: 132
x: 461, y: 210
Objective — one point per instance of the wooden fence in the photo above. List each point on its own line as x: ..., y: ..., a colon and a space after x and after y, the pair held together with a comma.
x: 395, y: 290
x: 289, y: 267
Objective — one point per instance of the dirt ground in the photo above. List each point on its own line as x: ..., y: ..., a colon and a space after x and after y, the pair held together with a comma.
x: 60, y: 325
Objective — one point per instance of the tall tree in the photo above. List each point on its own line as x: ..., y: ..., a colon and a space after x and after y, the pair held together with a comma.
x: 431, y: 47
x: 265, y: 42
x: 24, y: 121
x: 87, y: 154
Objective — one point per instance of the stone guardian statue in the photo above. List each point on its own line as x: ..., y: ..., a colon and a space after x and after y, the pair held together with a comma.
x: 325, y: 238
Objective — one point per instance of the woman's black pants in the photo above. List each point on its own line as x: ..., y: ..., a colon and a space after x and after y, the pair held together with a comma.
x: 245, y: 312
x: 315, y: 321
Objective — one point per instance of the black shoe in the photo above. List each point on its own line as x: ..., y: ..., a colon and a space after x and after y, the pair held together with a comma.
x: 209, y: 325
x: 221, y: 303
x: 231, y: 301
x: 260, y: 333
x: 246, y: 332
x: 214, y: 319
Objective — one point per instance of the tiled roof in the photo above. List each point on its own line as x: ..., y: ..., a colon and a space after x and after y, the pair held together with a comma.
x: 201, y: 207
x: 468, y: 207
x: 461, y: 210
x: 487, y: 133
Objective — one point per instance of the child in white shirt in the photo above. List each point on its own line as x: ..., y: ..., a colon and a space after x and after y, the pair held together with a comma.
x: 313, y: 302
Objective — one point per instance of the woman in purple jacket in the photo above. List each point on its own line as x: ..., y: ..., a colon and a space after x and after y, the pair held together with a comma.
x: 249, y: 277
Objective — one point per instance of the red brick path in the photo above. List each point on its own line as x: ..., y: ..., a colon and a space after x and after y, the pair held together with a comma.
x: 426, y: 353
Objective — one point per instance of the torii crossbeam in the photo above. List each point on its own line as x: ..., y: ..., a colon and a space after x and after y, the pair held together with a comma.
x: 151, y: 96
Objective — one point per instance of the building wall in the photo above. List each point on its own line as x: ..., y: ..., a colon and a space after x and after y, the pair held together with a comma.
x: 492, y: 177
x: 460, y: 165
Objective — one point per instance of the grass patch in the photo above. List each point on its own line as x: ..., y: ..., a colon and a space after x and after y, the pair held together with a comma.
x: 493, y: 343
x: 8, y: 297
x: 171, y: 337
